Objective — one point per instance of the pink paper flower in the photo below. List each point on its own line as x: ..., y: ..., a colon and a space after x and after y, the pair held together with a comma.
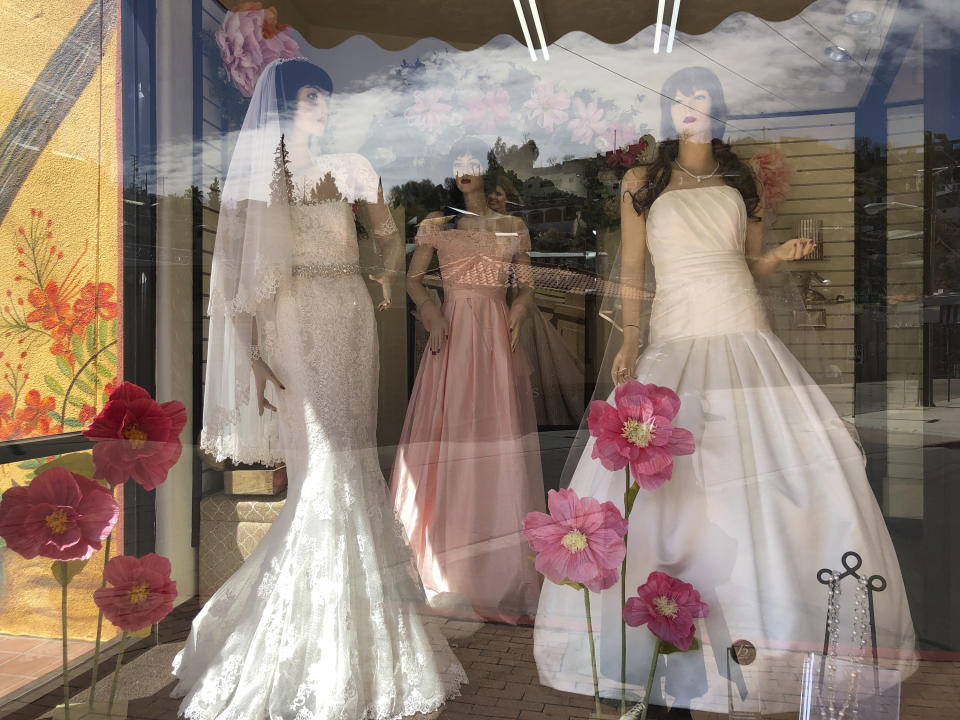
x: 429, y: 112
x: 547, y: 106
x: 142, y: 592
x: 250, y: 39
x: 60, y: 515
x: 136, y: 437
x: 667, y: 606
x: 486, y: 111
x: 587, y: 121
x: 771, y: 169
x: 580, y: 540
x: 639, y: 432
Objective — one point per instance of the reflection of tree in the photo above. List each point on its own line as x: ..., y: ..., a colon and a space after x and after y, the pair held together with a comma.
x: 518, y: 159
x: 281, y: 184
x: 419, y: 198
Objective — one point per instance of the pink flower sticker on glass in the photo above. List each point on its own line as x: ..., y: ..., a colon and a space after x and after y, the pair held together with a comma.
x: 142, y: 592
x: 639, y: 431
x: 548, y: 106
x: 60, y: 515
x: 581, y: 540
x: 667, y: 606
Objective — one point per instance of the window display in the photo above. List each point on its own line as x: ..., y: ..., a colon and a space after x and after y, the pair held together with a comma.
x: 535, y: 359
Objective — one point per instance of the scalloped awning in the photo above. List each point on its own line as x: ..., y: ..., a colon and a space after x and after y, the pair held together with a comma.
x: 396, y: 24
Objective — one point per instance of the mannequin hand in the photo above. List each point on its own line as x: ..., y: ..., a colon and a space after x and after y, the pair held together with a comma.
x: 386, y: 287
x: 794, y: 249
x: 261, y: 374
x: 518, y: 316
x: 439, y: 329
x: 625, y: 363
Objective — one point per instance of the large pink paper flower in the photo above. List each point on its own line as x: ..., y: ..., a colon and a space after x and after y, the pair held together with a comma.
x: 580, y: 540
x: 548, y: 106
x: 250, y: 39
x: 587, y: 121
x: 142, y: 592
x: 639, y: 432
x: 667, y: 606
x: 487, y: 110
x: 136, y: 437
x: 60, y: 515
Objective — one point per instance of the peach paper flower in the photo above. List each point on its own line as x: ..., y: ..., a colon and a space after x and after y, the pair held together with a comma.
x: 142, y: 592
x: 60, y: 515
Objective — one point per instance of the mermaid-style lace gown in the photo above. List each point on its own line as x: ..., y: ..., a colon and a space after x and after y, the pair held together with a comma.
x: 775, y: 491
x: 321, y: 621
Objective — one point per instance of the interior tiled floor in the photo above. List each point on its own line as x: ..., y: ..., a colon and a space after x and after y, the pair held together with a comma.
x: 498, y: 660
x: 25, y: 660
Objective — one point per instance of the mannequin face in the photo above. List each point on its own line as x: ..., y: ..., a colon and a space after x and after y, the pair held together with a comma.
x: 310, y: 116
x: 497, y: 200
x: 468, y: 173
x: 691, y: 115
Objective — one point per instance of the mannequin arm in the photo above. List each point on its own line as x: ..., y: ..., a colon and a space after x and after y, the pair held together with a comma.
x: 261, y: 371
x: 763, y: 263
x: 430, y: 315
x: 378, y: 220
x: 523, y: 303
x: 633, y: 245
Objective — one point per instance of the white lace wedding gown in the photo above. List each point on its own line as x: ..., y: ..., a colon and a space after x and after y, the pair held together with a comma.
x: 775, y: 491
x: 321, y: 622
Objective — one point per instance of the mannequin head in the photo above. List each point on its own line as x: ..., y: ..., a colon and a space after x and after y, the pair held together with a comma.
x: 468, y: 163
x: 692, y: 106
x: 303, y: 91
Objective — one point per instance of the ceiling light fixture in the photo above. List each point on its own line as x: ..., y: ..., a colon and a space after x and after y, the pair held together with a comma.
x: 841, y: 49
x: 526, y: 30
x: 539, y: 26
x: 861, y: 12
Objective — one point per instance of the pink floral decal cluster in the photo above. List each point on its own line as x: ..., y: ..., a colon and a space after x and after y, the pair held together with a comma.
x: 250, y: 39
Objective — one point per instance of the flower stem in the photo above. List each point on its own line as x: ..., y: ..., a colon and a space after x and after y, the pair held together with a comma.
x: 593, y: 651
x: 96, y: 649
x: 116, y: 672
x: 623, y: 600
x: 653, y: 671
x: 63, y: 637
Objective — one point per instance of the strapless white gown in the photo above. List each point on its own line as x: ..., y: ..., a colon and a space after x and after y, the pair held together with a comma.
x: 775, y: 491
x: 321, y: 622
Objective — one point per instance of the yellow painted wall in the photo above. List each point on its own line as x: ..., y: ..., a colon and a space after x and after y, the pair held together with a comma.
x: 59, y: 284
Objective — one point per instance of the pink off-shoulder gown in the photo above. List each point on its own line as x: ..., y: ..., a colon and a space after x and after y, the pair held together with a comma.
x: 468, y: 465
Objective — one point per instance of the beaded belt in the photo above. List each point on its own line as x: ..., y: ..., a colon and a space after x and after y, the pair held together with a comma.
x: 316, y: 270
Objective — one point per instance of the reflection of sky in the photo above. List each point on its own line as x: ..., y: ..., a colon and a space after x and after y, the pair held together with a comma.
x: 404, y: 109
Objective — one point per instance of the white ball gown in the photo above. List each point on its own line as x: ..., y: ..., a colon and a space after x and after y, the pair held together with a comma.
x: 321, y: 622
x: 775, y: 491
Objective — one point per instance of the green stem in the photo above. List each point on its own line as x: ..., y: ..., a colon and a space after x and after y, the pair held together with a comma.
x: 116, y: 673
x: 653, y: 671
x: 63, y: 635
x: 96, y: 649
x: 623, y: 603
x: 593, y: 651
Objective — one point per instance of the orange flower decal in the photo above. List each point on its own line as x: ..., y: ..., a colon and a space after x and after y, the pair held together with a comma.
x: 35, y: 416
x: 51, y: 310
x: 94, y: 300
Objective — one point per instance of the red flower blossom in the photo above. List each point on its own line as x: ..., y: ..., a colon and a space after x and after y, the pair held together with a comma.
x: 773, y: 172
x: 142, y: 592
x: 35, y: 417
x: 94, y: 300
x: 60, y: 515
x: 51, y: 310
x: 667, y: 606
x: 580, y: 540
x: 639, y: 432
x: 136, y: 437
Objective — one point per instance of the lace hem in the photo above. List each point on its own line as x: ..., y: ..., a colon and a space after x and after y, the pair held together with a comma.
x: 246, y: 302
x: 214, y: 442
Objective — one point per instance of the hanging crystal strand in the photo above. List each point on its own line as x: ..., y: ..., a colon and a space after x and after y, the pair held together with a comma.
x: 833, y: 635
